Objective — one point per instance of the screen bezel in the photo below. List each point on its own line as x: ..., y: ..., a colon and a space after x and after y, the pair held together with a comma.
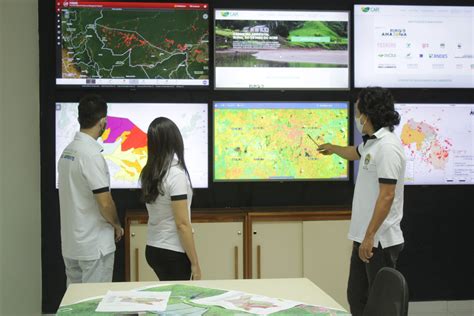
x: 349, y: 52
x: 282, y: 180
x: 115, y: 86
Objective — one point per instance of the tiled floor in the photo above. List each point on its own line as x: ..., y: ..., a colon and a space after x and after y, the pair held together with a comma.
x: 441, y: 308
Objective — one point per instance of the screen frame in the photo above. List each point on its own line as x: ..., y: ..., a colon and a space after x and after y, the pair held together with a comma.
x: 347, y: 178
x: 355, y: 170
x: 349, y: 51
x: 354, y: 69
x: 132, y: 188
x: 89, y: 87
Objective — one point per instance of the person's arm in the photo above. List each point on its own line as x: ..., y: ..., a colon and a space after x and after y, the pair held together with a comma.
x: 185, y: 231
x: 382, y: 208
x: 109, y: 212
x: 346, y: 152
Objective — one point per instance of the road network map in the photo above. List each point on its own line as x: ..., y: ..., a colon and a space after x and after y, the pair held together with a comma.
x: 105, y: 43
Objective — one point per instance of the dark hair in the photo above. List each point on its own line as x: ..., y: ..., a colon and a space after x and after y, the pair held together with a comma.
x: 91, y: 109
x: 164, y: 142
x: 378, y: 104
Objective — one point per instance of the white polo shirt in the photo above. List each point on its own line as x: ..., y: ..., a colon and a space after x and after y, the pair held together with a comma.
x: 83, y: 172
x: 162, y: 230
x: 382, y: 161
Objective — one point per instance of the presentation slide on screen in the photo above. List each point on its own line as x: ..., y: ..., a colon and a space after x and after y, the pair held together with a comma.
x: 132, y: 43
x: 439, y: 143
x: 414, y: 46
x: 125, y: 139
x: 257, y: 49
x: 277, y: 141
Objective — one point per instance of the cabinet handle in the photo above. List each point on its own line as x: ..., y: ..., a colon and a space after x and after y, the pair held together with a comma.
x: 236, y: 262
x: 259, y: 262
x: 137, y: 261
x: 133, y: 234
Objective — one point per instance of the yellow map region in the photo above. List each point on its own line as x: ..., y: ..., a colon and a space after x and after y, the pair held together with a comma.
x: 261, y: 144
x: 410, y: 135
x: 131, y: 162
x: 429, y: 148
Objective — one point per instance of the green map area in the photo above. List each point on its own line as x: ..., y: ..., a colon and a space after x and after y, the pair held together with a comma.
x: 132, y: 44
x: 180, y: 303
x: 264, y: 144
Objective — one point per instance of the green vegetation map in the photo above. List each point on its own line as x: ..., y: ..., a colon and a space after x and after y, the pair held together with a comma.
x: 180, y: 303
x: 266, y: 144
x: 132, y: 44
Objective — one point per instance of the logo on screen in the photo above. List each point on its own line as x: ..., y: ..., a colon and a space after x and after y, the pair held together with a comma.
x: 370, y: 9
x: 227, y: 14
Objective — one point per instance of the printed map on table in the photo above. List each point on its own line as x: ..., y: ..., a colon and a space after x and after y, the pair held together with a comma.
x: 184, y: 298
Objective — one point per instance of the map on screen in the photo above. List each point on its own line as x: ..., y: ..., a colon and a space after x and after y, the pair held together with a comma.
x: 272, y: 141
x: 132, y: 43
x: 125, y: 139
x: 439, y: 143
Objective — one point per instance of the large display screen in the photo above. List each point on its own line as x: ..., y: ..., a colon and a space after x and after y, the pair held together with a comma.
x: 133, y: 44
x: 257, y: 49
x: 276, y: 141
x: 125, y: 139
x: 414, y: 46
x: 438, y: 141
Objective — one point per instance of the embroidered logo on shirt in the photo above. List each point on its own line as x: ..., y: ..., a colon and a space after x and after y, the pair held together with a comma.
x: 367, y: 161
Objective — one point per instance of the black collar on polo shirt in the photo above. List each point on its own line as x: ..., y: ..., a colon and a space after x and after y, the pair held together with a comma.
x: 366, y: 137
x: 382, y: 132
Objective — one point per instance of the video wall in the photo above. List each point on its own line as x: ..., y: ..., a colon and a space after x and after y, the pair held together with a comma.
x: 186, y: 47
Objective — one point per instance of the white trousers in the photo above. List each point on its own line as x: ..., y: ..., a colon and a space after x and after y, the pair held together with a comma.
x: 90, y: 271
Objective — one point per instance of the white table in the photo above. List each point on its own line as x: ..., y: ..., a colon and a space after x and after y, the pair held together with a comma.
x: 301, y: 290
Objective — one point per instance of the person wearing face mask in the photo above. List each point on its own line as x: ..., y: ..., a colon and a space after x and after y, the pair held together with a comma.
x: 377, y: 207
x: 89, y: 222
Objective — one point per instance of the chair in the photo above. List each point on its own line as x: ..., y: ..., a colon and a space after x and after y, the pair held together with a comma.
x: 388, y: 295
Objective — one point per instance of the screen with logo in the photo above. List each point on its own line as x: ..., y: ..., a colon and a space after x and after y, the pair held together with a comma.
x: 281, y: 49
x: 439, y: 143
x: 136, y: 44
x: 277, y: 141
x: 414, y: 46
x: 125, y: 138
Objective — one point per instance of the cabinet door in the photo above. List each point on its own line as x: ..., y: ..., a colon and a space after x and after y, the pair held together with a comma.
x: 327, y: 253
x: 220, y: 250
x: 139, y: 268
x: 277, y: 250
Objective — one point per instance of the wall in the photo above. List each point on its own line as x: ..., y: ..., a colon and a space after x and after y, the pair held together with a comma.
x: 437, y: 223
x: 20, y: 239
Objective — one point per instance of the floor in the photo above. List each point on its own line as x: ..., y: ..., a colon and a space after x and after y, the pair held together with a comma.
x: 441, y: 308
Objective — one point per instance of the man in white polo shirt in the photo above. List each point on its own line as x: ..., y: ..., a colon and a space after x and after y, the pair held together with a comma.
x: 377, y: 206
x: 89, y: 222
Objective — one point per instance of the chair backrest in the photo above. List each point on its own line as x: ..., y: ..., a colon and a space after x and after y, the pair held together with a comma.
x: 388, y: 295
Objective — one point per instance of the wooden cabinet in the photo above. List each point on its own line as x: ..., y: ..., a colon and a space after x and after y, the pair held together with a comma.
x: 249, y: 244
x: 220, y: 247
x: 139, y: 268
x: 277, y: 250
x: 327, y: 253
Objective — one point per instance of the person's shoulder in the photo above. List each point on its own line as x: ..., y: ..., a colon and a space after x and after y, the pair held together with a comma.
x: 175, y: 170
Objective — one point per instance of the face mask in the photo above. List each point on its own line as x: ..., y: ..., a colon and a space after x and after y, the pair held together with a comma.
x: 102, y: 129
x: 359, y: 125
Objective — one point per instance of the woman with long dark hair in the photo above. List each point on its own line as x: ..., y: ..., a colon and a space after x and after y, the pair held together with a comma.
x: 167, y: 192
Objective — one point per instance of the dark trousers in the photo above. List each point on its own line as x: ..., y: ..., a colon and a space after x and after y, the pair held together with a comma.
x: 362, y: 275
x: 168, y: 265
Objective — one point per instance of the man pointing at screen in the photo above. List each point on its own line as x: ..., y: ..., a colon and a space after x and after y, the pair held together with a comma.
x: 377, y: 206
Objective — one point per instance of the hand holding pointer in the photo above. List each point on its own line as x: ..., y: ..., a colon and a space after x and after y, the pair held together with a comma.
x: 325, y: 149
